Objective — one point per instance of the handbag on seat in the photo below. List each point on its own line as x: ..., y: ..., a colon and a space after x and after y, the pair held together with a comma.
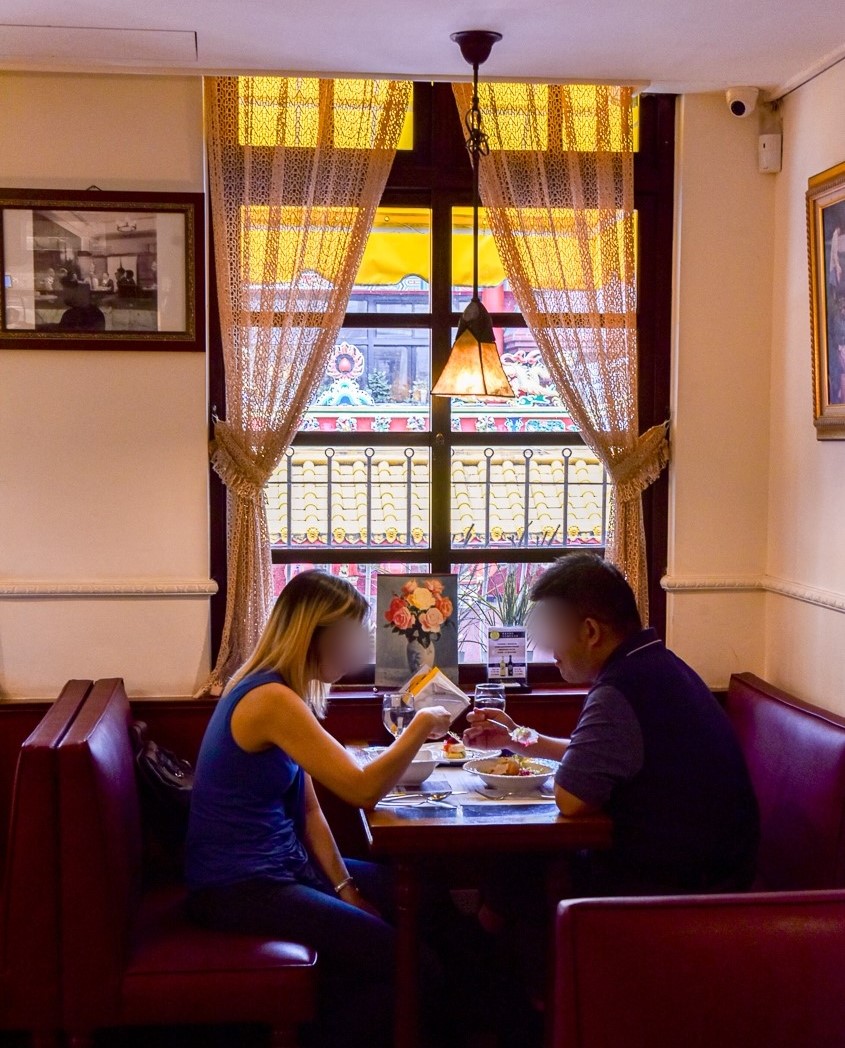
x: 165, y: 783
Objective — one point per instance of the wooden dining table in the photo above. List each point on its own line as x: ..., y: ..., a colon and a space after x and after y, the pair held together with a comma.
x: 409, y: 834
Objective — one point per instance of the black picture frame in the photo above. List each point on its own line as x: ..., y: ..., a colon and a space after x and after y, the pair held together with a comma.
x: 102, y: 270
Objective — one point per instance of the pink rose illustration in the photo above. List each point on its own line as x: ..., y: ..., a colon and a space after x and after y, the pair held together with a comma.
x: 402, y: 618
x: 432, y: 620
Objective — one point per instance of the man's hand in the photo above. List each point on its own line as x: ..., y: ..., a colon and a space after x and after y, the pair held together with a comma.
x: 488, y: 729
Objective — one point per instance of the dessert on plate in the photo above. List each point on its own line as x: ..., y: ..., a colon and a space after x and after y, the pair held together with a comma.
x: 454, y: 749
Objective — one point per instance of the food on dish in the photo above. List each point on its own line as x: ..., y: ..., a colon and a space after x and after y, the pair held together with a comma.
x: 454, y: 749
x: 512, y: 765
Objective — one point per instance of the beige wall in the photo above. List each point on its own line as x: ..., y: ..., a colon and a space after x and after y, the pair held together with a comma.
x: 755, y: 505
x: 756, y: 573
x: 720, y: 399
x: 103, y: 468
x: 805, y: 632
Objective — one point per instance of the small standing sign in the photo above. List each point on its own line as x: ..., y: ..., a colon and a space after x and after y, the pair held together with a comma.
x: 506, y: 656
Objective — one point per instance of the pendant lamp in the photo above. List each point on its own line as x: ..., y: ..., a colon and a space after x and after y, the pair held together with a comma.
x: 474, y: 368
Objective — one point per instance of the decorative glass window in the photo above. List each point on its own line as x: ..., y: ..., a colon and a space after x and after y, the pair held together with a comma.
x: 383, y: 478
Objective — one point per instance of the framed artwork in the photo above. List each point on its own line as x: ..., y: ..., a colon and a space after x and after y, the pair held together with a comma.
x: 417, y: 626
x: 99, y: 270
x: 826, y: 246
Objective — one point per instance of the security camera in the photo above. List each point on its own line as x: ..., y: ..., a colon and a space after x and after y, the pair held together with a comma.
x: 742, y: 100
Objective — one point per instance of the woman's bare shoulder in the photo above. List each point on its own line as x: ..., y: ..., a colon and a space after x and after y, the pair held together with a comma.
x: 261, y: 710
x: 268, y: 698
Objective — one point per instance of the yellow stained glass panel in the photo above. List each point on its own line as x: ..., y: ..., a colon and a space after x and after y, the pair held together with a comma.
x: 520, y: 117
x: 287, y: 111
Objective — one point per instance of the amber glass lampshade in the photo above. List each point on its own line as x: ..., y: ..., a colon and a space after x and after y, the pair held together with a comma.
x: 474, y: 368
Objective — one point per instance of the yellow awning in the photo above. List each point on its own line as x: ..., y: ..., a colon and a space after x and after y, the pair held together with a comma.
x: 400, y: 243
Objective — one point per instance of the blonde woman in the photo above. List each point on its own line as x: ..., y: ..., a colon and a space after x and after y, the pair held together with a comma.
x: 260, y: 855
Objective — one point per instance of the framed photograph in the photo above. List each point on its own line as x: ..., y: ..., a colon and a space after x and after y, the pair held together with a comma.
x: 826, y: 245
x: 99, y: 270
x: 416, y: 626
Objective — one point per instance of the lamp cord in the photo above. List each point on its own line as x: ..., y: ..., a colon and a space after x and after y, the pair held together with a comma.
x: 478, y: 145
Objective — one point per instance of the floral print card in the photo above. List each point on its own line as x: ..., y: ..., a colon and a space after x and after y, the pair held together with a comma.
x: 416, y: 626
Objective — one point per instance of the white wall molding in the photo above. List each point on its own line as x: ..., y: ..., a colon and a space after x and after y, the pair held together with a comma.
x: 822, y: 598
x: 711, y: 583
x: 806, y: 594
x: 63, y: 589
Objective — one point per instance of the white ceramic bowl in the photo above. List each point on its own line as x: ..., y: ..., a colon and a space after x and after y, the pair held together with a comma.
x: 540, y: 771
x: 420, y: 768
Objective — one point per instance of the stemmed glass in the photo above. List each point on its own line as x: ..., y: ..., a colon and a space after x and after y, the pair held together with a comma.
x: 397, y: 711
x: 489, y: 696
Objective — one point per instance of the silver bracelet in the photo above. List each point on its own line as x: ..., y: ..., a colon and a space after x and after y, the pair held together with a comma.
x: 338, y: 888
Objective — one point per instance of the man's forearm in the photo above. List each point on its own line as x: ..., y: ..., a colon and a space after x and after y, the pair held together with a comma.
x: 546, y: 746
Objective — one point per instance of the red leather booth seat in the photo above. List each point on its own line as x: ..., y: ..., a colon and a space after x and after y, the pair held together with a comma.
x: 796, y: 757
x: 762, y: 970
x: 130, y: 958
x: 732, y: 971
x: 30, y: 996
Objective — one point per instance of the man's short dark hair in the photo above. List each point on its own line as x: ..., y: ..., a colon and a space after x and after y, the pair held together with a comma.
x: 593, y: 588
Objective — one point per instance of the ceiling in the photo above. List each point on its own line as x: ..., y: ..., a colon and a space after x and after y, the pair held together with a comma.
x: 672, y: 45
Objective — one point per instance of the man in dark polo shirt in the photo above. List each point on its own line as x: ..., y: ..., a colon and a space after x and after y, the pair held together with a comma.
x: 652, y: 747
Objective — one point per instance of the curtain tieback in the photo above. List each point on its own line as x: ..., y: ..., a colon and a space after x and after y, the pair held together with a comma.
x: 235, y: 465
x: 633, y: 470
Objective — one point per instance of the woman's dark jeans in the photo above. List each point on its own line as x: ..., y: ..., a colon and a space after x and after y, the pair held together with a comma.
x: 355, y: 950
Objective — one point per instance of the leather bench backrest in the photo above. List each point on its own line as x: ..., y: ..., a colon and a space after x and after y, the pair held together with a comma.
x: 29, y: 939
x: 729, y: 971
x: 796, y: 758
x: 100, y: 854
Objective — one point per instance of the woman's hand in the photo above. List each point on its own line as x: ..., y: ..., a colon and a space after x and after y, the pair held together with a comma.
x: 488, y: 729
x: 440, y: 719
x: 352, y: 897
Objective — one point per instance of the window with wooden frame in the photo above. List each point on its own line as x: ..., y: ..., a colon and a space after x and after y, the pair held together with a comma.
x: 384, y: 478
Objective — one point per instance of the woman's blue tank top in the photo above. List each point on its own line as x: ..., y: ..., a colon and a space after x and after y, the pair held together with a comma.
x: 247, y: 809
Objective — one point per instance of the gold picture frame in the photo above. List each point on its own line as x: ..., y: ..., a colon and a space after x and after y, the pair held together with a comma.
x: 826, y: 248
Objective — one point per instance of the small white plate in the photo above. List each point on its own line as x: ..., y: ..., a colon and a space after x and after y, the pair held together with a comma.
x: 471, y: 755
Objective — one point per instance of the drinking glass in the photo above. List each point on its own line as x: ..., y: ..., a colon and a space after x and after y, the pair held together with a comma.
x: 397, y: 711
x: 489, y: 697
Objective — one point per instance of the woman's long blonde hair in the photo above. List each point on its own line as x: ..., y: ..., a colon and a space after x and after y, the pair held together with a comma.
x: 309, y: 603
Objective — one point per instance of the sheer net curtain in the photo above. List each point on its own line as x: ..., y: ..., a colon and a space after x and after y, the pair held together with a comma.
x: 296, y: 171
x: 558, y: 186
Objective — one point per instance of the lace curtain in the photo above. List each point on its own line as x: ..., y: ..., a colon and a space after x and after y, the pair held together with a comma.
x: 296, y: 171
x: 558, y: 186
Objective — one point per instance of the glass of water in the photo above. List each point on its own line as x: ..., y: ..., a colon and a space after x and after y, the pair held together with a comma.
x: 397, y: 711
x: 489, y: 697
